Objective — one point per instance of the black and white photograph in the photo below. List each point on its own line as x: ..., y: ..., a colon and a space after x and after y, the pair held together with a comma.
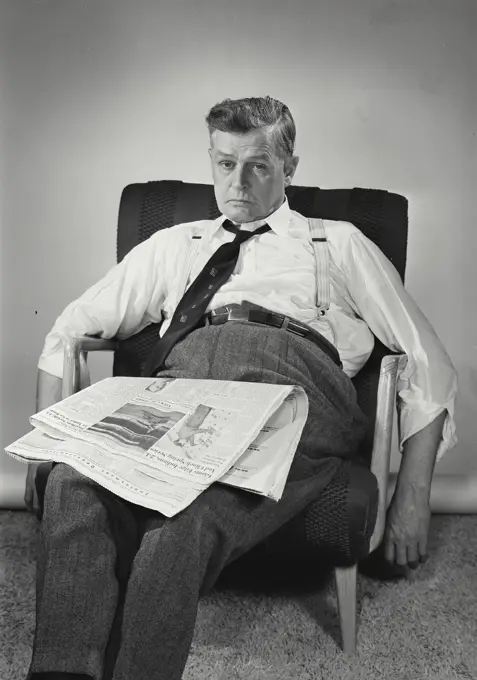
x: 273, y: 192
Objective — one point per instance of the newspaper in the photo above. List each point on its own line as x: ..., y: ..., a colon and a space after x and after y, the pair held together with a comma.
x: 160, y: 442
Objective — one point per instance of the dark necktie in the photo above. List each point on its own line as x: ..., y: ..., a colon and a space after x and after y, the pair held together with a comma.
x: 191, y: 308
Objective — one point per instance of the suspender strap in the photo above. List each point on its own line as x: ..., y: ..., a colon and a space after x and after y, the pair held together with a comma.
x: 322, y: 264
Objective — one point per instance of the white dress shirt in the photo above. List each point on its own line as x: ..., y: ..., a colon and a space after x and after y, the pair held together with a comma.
x: 277, y: 270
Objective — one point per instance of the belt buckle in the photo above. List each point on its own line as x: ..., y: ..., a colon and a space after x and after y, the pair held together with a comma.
x: 236, y: 313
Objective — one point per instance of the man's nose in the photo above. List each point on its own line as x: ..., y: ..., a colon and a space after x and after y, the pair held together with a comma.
x: 239, y: 177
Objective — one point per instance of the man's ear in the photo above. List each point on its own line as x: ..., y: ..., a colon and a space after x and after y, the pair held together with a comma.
x: 291, y: 164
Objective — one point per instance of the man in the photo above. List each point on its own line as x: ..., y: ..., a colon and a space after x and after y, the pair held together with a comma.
x: 82, y: 599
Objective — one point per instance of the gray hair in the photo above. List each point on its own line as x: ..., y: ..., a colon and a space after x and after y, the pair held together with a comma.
x: 244, y: 115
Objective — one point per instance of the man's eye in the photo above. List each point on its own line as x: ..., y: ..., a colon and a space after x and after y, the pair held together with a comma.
x: 260, y: 166
x: 226, y: 164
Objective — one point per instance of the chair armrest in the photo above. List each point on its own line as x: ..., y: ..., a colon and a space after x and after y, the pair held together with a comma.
x: 75, y: 368
x: 381, y: 454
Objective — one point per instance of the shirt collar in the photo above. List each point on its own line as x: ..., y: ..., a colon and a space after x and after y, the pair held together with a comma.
x: 278, y: 221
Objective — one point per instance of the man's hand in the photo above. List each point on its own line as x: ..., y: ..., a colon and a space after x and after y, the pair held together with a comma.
x: 409, y: 513
x: 31, y: 496
x: 407, y: 528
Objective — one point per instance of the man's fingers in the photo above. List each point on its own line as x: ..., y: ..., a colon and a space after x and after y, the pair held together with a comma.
x: 28, y: 498
x: 389, y: 552
x: 401, y: 555
x: 413, y: 556
x: 423, y: 549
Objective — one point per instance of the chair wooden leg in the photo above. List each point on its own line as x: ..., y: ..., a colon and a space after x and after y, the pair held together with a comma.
x: 345, y: 579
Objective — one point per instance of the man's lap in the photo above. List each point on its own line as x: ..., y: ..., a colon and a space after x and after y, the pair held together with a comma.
x: 246, y: 352
x: 235, y: 518
x: 250, y: 352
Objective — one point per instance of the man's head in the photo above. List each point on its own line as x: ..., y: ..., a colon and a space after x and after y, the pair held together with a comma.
x: 251, y: 149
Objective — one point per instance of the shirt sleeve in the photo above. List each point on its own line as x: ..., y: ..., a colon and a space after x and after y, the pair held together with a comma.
x: 122, y: 303
x: 427, y: 380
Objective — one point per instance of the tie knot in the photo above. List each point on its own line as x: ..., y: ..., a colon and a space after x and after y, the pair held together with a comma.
x: 243, y: 236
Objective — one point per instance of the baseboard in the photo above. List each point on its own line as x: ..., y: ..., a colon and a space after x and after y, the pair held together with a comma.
x: 449, y: 494
x: 12, y: 490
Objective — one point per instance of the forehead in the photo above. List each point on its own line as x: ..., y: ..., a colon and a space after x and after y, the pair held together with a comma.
x: 243, y: 145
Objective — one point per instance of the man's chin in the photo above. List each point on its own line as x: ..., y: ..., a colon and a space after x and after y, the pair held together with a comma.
x: 241, y: 213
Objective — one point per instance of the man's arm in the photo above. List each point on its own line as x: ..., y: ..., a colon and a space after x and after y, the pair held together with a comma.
x: 48, y: 392
x: 128, y: 298
x: 409, y: 513
x: 426, y: 385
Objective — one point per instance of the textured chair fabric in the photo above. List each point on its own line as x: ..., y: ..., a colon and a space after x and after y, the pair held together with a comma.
x: 340, y: 523
x: 334, y: 531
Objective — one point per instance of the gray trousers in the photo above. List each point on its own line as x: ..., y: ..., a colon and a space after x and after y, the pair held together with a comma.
x: 118, y: 585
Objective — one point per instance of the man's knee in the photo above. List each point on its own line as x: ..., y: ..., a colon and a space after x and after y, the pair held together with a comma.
x: 66, y: 488
x: 194, y: 532
x: 60, y: 475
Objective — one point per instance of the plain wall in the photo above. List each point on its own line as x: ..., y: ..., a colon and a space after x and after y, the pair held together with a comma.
x: 103, y: 93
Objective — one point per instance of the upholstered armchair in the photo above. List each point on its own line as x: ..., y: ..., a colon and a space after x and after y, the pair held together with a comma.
x: 346, y: 523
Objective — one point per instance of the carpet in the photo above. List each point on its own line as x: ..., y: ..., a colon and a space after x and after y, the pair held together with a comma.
x: 423, y: 626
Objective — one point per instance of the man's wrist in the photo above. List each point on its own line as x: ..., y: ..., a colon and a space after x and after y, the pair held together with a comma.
x: 414, y: 478
x: 411, y: 489
x: 418, y: 461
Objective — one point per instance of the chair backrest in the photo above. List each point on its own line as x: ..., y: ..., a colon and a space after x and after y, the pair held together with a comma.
x: 145, y: 208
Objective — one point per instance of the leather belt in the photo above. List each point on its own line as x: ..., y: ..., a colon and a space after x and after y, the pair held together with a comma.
x: 236, y: 312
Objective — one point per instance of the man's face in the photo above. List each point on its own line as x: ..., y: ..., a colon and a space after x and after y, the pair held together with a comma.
x: 249, y: 176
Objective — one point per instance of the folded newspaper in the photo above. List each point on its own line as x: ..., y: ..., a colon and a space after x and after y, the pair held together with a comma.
x: 160, y: 442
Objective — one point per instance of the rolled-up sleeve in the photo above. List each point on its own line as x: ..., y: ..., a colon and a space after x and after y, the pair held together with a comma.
x: 125, y: 300
x: 427, y: 380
